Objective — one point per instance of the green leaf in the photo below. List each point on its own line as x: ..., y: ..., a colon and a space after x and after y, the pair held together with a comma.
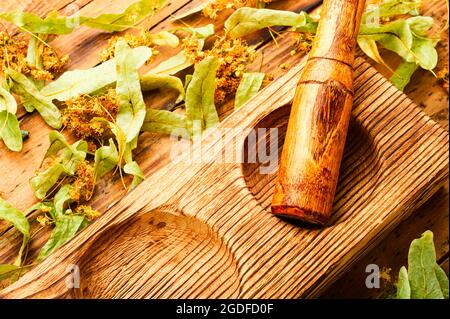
x: 73, y: 83
x: 200, y: 32
x: 164, y: 38
x: 369, y: 46
x: 420, y: 25
x: 56, y: 24
x: 247, y: 20
x: 421, y: 269
x: 66, y: 160
x: 425, y: 53
x: 34, y: 58
x: 52, y: 24
x: 6, y: 271
x: 165, y: 122
x: 389, y: 9
x: 19, y: 221
x: 105, y: 159
x: 174, y: 64
x: 132, y: 108
x: 134, y: 169
x: 403, y: 288
x: 134, y: 14
x: 26, y: 88
x: 399, y: 29
x: 66, y: 227
x: 200, y: 106
x: 10, y: 131
x: 150, y: 81
x: 403, y: 73
x: 7, y: 101
x: 442, y: 279
x: 62, y: 197
x: 196, y: 9
x: 248, y: 87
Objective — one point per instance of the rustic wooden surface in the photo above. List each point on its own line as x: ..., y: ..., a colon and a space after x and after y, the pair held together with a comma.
x: 210, y: 233
x: 84, y: 45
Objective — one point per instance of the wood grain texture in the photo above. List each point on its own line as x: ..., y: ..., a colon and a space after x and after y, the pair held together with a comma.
x: 17, y: 169
x: 84, y: 46
x: 392, y: 251
x: 319, y: 118
x: 211, y: 229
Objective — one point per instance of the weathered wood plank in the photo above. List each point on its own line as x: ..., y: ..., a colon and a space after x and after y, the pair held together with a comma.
x: 157, y: 240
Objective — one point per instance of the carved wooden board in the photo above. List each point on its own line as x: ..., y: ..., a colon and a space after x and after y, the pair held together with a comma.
x: 203, y: 229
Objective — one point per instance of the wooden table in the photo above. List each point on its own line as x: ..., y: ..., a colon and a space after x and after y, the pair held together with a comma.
x: 390, y: 253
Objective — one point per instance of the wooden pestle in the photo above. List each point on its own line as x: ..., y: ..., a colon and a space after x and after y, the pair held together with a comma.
x: 317, y: 128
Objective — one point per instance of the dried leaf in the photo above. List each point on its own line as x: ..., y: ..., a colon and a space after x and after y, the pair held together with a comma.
x: 105, y: 159
x: 403, y: 288
x: 57, y: 24
x: 19, y: 221
x: 73, y: 83
x: 388, y: 9
x: 62, y: 197
x: 200, y: 32
x: 25, y: 88
x: 150, y: 81
x: 132, y: 108
x: 66, y: 159
x: 442, y: 279
x: 196, y: 9
x: 200, y: 106
x: 10, y: 131
x: 6, y: 271
x: 164, y: 38
x: 248, y: 87
x: 66, y: 227
x: 421, y: 269
x: 165, y: 122
x: 247, y: 20
x: 7, y: 101
x: 172, y: 65
x: 134, y: 169
x: 134, y: 14
x: 403, y: 74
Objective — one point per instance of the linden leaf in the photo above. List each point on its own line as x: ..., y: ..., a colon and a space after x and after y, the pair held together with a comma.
x: 19, y: 221
x: 247, y: 20
x: 74, y: 83
x: 248, y: 87
x: 200, y: 107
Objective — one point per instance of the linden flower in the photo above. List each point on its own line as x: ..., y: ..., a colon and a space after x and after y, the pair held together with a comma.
x: 303, y: 42
x: 442, y: 76
x: 84, y: 183
x: 233, y: 56
x: 142, y: 39
x: 214, y: 7
x: 88, y: 212
x: 13, y: 54
x: 44, y: 220
x: 79, y: 113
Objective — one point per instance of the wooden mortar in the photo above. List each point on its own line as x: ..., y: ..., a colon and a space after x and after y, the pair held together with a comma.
x: 317, y: 129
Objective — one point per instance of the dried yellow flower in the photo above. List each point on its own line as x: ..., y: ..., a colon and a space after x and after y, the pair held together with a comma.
x: 303, y: 42
x: 442, y: 76
x: 84, y: 183
x: 88, y: 212
x: 234, y: 55
x: 78, y: 115
x: 13, y: 54
x: 44, y: 220
x: 214, y: 7
x: 133, y: 40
